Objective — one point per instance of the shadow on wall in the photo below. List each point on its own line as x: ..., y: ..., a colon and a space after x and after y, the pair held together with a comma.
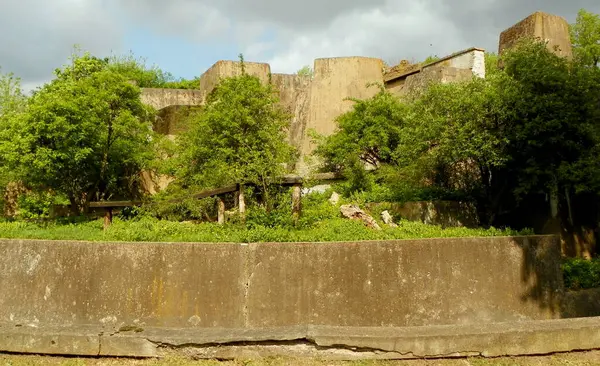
x: 576, y: 221
x: 542, y: 276
x: 442, y: 213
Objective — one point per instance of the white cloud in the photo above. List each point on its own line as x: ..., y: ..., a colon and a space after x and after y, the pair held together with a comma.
x: 37, y: 36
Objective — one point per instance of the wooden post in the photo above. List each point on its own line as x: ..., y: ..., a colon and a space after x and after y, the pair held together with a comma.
x: 241, y: 202
x: 220, y: 211
x: 107, y: 217
x: 296, y: 201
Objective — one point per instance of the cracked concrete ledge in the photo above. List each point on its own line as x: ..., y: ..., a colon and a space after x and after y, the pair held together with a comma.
x: 342, y: 343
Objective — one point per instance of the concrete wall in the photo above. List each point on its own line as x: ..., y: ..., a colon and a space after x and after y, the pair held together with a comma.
x: 544, y: 26
x: 171, y: 120
x: 294, y: 95
x: 161, y: 98
x: 190, y: 285
x: 460, y: 66
x: 418, y: 82
x: 336, y: 79
x: 223, y: 69
x: 443, y: 213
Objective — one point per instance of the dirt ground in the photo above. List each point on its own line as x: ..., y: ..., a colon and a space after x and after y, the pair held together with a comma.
x: 578, y: 359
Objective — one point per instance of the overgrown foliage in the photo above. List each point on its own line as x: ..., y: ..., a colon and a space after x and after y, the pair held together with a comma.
x: 321, y: 221
x: 85, y: 135
x: 136, y: 69
x: 585, y: 37
x: 306, y: 71
x: 581, y: 273
x: 531, y: 128
x: 240, y: 136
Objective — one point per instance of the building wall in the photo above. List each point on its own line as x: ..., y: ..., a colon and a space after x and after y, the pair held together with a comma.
x: 294, y: 95
x: 161, y: 98
x: 459, y: 66
x: 544, y: 26
x: 222, y: 69
x: 336, y: 79
x: 260, y: 285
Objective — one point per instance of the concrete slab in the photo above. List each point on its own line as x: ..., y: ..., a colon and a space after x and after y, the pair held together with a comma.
x: 345, y: 343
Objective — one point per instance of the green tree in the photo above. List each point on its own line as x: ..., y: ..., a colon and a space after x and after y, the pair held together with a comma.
x: 238, y: 137
x: 368, y: 135
x: 431, y: 59
x: 12, y: 102
x: 585, y: 37
x: 136, y: 69
x: 12, y: 98
x: 531, y: 128
x: 306, y: 71
x: 85, y: 134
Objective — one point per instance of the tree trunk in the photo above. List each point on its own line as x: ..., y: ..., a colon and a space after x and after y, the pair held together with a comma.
x: 242, y: 203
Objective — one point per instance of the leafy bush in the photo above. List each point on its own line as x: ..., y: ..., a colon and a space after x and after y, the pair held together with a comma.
x: 38, y: 205
x: 320, y: 221
x: 581, y: 273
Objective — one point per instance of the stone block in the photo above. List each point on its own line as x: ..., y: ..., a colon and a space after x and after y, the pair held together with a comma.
x: 543, y: 26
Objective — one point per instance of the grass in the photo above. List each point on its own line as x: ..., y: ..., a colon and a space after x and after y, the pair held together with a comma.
x: 149, y: 229
x: 320, y: 222
x: 575, y: 359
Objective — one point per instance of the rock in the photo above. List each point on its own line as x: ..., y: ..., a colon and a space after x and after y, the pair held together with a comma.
x: 354, y: 212
x: 387, y: 218
x: 335, y: 198
x: 316, y: 189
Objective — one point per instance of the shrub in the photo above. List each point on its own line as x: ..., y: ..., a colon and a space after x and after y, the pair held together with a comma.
x: 581, y: 273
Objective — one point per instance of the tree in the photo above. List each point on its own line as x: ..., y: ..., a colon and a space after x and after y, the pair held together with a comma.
x: 135, y: 69
x: 531, y: 128
x: 430, y: 59
x: 366, y: 136
x: 12, y: 102
x: 85, y: 134
x: 585, y: 37
x: 306, y: 71
x: 238, y: 137
x: 12, y: 98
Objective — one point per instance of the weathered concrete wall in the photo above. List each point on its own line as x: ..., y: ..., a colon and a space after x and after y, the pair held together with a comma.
x: 161, y: 98
x: 418, y: 82
x: 171, y: 120
x: 188, y: 285
x: 294, y: 95
x: 322, y: 342
x: 223, y: 69
x: 336, y: 79
x: 460, y: 66
x: 544, y: 26
x: 443, y: 213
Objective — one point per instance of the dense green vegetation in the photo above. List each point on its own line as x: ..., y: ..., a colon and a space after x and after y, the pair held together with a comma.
x: 528, y: 130
x: 239, y: 137
x: 135, y: 69
x: 84, y: 136
x: 321, y: 222
x: 581, y: 274
x: 528, y: 135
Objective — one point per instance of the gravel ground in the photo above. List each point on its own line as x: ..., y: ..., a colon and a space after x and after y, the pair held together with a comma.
x: 579, y: 359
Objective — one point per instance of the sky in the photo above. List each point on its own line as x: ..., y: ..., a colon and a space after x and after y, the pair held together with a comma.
x: 185, y: 37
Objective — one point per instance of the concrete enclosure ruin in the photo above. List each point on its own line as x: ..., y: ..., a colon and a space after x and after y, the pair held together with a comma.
x: 546, y: 27
x: 414, y: 297
x: 316, y: 102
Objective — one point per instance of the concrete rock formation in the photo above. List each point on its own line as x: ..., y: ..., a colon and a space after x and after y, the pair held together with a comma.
x: 354, y: 212
x: 316, y: 102
x: 399, y: 299
x: 547, y: 27
x: 459, y: 66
